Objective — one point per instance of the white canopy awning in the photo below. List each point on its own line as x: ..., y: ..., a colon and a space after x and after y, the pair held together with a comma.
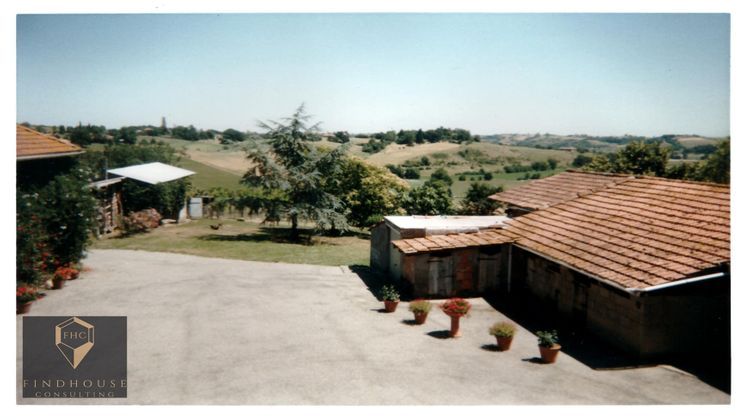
x: 152, y: 173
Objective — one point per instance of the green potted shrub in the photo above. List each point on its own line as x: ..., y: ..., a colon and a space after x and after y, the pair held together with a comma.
x: 456, y: 308
x: 390, y: 297
x: 548, y: 345
x: 25, y: 295
x: 503, y: 332
x: 420, y: 308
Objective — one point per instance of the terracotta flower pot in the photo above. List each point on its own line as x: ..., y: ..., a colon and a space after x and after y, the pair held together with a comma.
x: 549, y: 354
x: 23, y: 308
x: 58, y: 283
x: 390, y: 305
x: 420, y: 317
x: 503, y: 343
x: 455, y: 331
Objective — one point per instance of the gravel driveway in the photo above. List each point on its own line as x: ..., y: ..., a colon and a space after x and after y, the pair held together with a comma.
x: 215, y: 331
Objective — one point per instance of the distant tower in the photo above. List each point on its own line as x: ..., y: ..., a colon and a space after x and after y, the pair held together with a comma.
x: 163, y: 125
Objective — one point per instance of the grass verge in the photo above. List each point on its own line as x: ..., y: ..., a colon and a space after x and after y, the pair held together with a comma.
x: 247, y: 241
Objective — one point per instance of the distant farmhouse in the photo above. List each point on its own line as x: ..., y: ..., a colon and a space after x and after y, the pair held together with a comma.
x: 641, y: 262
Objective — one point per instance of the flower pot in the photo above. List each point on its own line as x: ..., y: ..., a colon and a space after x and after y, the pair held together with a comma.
x: 455, y: 331
x: 58, y: 283
x: 549, y: 354
x: 390, y: 305
x: 420, y: 317
x: 503, y: 343
x: 23, y: 308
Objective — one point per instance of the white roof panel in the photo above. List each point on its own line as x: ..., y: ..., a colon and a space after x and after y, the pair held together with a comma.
x: 152, y: 173
x: 448, y: 223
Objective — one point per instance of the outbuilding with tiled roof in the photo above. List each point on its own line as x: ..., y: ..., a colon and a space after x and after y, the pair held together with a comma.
x: 31, y: 144
x: 642, y: 262
x: 546, y: 192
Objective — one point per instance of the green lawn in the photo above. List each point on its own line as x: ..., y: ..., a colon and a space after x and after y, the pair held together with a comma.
x: 246, y: 241
x: 207, y: 176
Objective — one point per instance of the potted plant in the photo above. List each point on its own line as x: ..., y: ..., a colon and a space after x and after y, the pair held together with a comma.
x: 503, y: 332
x: 456, y: 308
x: 548, y: 345
x: 390, y: 297
x: 58, y: 278
x: 25, y: 295
x: 67, y: 272
x: 420, y: 308
x: 74, y: 271
x: 63, y: 274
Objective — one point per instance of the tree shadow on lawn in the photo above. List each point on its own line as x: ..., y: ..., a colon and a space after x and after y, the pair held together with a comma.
x: 265, y: 234
x: 281, y: 235
x: 597, y: 354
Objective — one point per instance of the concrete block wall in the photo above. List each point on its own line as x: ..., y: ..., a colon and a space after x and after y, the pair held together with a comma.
x: 690, y: 319
x: 616, y: 317
x: 613, y: 315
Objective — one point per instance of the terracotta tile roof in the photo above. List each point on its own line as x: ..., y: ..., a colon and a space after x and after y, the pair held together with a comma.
x: 641, y: 232
x: 555, y: 189
x: 31, y: 144
x: 451, y: 241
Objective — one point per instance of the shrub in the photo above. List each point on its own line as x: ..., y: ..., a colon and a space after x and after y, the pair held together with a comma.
x: 411, y: 173
x: 54, y: 219
x: 477, y: 201
x: 456, y: 307
x: 442, y: 176
x: 547, y: 338
x: 503, y: 329
x: 33, y: 256
x: 581, y: 160
x: 420, y: 306
x: 432, y: 198
x: 389, y: 292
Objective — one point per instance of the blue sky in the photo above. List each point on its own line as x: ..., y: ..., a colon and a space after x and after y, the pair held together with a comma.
x: 644, y: 74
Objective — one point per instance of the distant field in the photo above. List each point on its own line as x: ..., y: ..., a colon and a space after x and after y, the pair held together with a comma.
x: 207, y: 176
x: 223, y: 165
x: 398, y: 153
x: 695, y: 141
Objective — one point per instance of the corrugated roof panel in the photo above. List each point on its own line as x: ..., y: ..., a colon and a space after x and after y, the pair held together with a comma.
x: 152, y: 173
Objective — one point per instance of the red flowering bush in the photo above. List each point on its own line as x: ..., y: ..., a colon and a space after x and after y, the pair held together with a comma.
x: 25, y: 293
x: 456, y: 307
x: 66, y: 273
x: 33, y: 255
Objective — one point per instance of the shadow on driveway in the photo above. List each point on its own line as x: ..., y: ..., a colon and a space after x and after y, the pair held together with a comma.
x: 713, y: 369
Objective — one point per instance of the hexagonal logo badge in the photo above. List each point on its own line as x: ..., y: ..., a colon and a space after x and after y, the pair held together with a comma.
x: 74, y: 338
x: 74, y: 357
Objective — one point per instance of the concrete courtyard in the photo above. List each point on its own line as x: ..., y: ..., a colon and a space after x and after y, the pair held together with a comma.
x: 216, y: 331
